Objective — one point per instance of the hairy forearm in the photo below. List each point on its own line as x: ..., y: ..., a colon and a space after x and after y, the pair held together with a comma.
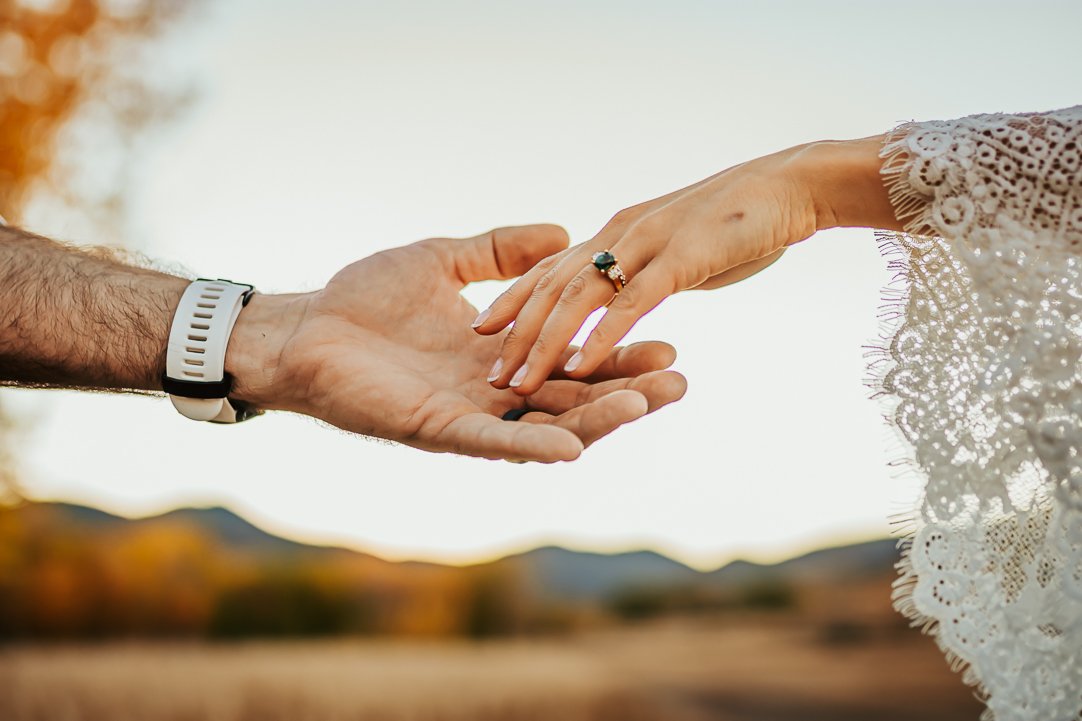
x: 76, y: 318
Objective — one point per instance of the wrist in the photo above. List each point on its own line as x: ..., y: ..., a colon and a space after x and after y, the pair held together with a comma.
x: 253, y: 356
x: 843, y: 180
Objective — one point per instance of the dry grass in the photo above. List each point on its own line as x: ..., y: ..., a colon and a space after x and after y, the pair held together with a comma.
x: 665, y: 672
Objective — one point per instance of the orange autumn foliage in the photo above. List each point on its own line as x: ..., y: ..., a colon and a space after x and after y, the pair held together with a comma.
x: 62, y: 577
x: 58, y: 59
x: 55, y: 58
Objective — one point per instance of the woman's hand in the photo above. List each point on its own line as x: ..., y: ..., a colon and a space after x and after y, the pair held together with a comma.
x: 713, y: 233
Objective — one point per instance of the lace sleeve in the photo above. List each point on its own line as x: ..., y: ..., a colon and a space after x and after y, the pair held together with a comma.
x: 980, y: 373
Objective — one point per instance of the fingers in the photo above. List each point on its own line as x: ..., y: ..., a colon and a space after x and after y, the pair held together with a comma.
x: 529, y: 318
x: 558, y: 305
x: 506, y: 307
x: 623, y: 362
x: 548, y: 279
x: 642, y: 294
x: 503, y: 252
x: 485, y: 436
x: 566, y: 419
x: 583, y: 294
x: 660, y: 388
x: 597, y: 418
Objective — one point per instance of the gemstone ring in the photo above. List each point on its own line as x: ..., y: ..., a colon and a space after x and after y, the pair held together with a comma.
x: 608, y: 266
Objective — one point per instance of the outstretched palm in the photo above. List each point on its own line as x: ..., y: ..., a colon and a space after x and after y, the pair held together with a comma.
x: 386, y: 350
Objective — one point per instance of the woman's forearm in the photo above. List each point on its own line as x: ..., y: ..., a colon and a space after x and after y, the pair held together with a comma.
x: 707, y: 235
x: 845, y: 182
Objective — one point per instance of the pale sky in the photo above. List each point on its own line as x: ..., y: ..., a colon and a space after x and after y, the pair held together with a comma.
x: 325, y: 131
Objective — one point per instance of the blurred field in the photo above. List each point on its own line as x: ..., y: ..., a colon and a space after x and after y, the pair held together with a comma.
x: 766, y: 670
x: 169, y: 618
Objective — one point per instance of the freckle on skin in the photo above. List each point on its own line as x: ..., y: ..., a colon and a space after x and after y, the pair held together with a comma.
x: 733, y: 217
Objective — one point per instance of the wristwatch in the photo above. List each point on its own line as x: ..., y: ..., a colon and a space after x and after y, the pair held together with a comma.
x: 195, y: 376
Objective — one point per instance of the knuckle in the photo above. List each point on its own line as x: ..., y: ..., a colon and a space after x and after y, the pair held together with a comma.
x: 432, y: 247
x: 583, y: 395
x: 516, y: 339
x: 625, y: 217
x: 515, y: 296
x: 627, y: 299
x: 574, y: 290
x: 433, y: 244
x: 545, y: 282
x: 648, y: 226
x: 602, y: 336
x: 541, y: 347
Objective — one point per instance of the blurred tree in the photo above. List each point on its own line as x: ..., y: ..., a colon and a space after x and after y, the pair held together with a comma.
x: 75, y: 95
x: 495, y: 606
x: 282, y: 602
x: 769, y: 595
x: 78, y: 65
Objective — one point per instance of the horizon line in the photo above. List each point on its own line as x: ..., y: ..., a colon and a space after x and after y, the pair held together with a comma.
x: 481, y: 559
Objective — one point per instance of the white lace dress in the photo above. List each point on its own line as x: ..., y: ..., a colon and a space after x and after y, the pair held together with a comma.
x: 982, y: 377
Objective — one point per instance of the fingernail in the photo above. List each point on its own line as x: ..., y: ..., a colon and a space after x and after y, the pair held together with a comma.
x: 520, y: 375
x: 481, y: 318
x: 573, y: 362
x: 496, y: 369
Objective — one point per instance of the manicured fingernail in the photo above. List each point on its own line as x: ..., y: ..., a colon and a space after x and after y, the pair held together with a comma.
x: 520, y: 375
x: 481, y: 318
x: 496, y: 369
x: 573, y: 362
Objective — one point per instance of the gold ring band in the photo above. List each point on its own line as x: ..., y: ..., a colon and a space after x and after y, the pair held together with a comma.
x: 608, y: 266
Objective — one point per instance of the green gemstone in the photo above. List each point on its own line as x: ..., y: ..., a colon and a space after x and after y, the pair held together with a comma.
x: 604, y: 260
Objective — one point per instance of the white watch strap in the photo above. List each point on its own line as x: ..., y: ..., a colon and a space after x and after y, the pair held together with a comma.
x: 198, y: 339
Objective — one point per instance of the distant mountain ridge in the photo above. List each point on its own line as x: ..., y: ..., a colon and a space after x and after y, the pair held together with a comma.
x: 217, y: 522
x: 230, y: 529
x: 585, y: 575
x: 553, y: 571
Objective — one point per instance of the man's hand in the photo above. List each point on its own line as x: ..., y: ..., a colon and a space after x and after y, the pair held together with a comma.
x: 386, y: 350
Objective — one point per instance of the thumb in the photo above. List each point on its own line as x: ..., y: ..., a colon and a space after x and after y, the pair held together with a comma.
x: 505, y: 252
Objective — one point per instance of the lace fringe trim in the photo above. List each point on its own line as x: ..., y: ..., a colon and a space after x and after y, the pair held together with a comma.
x: 914, y: 210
